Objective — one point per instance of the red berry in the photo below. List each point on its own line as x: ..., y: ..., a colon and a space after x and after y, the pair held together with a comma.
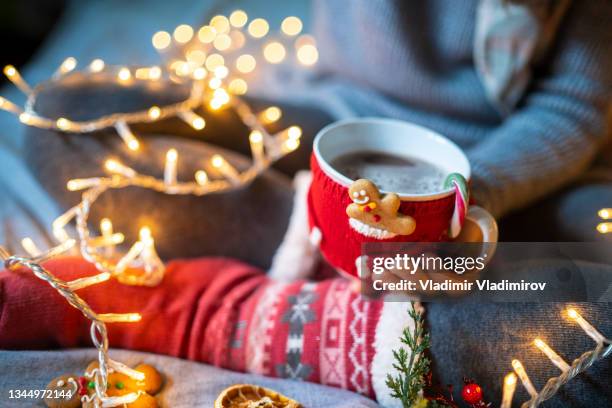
x: 472, y: 393
x: 367, y: 209
x: 82, y: 386
x: 376, y: 217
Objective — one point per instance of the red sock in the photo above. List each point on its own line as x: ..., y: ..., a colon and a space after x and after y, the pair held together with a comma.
x: 221, y: 312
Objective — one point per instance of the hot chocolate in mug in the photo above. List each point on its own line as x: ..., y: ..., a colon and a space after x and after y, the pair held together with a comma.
x: 434, y: 173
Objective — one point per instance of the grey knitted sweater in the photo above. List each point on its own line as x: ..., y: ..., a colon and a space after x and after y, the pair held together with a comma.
x: 413, y: 60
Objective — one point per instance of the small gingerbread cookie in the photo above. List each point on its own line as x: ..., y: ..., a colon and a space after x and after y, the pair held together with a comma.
x: 63, y: 392
x: 374, y: 215
x: 82, y: 389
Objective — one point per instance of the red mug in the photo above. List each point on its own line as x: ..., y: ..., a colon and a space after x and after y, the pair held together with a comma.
x: 434, y: 214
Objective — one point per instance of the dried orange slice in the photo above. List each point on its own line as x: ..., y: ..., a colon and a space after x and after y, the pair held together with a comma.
x: 253, y: 396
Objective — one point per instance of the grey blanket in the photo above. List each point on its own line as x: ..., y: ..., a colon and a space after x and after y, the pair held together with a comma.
x: 188, y: 384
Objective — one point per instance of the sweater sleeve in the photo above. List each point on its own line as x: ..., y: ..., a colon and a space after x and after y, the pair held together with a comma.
x: 562, y: 123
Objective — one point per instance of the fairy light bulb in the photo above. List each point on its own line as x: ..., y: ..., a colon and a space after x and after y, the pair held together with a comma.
x: 257, y: 147
x: 161, y: 40
x: 221, y: 72
x: 197, y: 57
x: 195, y: 121
x: 10, y: 71
x: 605, y: 213
x: 220, y: 23
x: 551, y: 354
x: 270, y: 115
x: 201, y: 177
x: 274, y: 52
x: 245, y: 63
x: 291, y: 26
x: 200, y: 73
x: 170, y: 167
x: 308, y: 54
x: 25, y: 118
x: 238, y: 18
x: 68, y: 65
x: 124, y: 74
x: 217, y: 161
x: 30, y: 247
x: 155, y: 73
x: 522, y: 374
x: 183, y: 33
x: 214, y: 83
x: 145, y: 236
x: 213, y: 61
x: 508, y: 391
x: 96, y: 65
x: 294, y: 132
x: 63, y: 124
x: 154, y: 112
x: 114, y: 166
x: 590, y: 331
x: 207, y: 34
x: 258, y: 28
x: 238, y: 86
x: 222, y: 42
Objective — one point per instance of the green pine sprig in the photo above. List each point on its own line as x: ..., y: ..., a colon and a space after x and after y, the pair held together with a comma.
x: 411, y: 363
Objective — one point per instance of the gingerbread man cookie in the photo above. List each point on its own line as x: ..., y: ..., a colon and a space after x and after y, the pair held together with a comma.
x: 374, y: 215
x: 81, y: 389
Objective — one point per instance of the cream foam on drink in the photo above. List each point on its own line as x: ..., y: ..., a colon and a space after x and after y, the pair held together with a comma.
x: 393, y: 173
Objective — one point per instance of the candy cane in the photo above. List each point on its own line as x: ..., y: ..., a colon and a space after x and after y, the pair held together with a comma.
x: 462, y: 198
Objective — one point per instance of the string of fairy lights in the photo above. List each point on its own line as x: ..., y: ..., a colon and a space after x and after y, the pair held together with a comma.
x: 99, y: 335
x: 602, y: 350
x: 216, y: 61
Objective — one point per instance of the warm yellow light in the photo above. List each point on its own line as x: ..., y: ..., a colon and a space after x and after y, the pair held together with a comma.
x: 120, y: 318
x: 307, y: 54
x: 207, y: 34
x: 182, y: 68
x: 200, y: 73
x: 245, y: 63
x: 161, y: 40
x: 10, y: 71
x: 171, y: 155
x: 258, y: 28
x: 124, y: 74
x: 605, y: 213
x: 292, y: 144
x: 133, y: 144
x: 68, y: 65
x: 222, y: 42
x: 238, y: 86
x: 217, y: 161
x: 145, y: 236
x: 213, y: 61
x: 198, y: 123
x: 114, y: 166
x: 291, y: 26
x: 214, y: 83
x: 274, y: 52
x: 222, y: 95
x: 63, y: 123
x: 155, y: 73
x: 572, y: 313
x: 605, y: 227
x: 271, y: 114
x: 220, y: 23
x: 25, y: 118
x: 154, y: 112
x: 106, y: 227
x: 510, y: 379
x: 96, y: 65
x: 256, y: 137
x: 221, y: 72
x: 183, y: 33
x: 238, y: 18
x: 294, y: 132
x: 197, y: 57
x: 201, y: 177
x: 215, y: 104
